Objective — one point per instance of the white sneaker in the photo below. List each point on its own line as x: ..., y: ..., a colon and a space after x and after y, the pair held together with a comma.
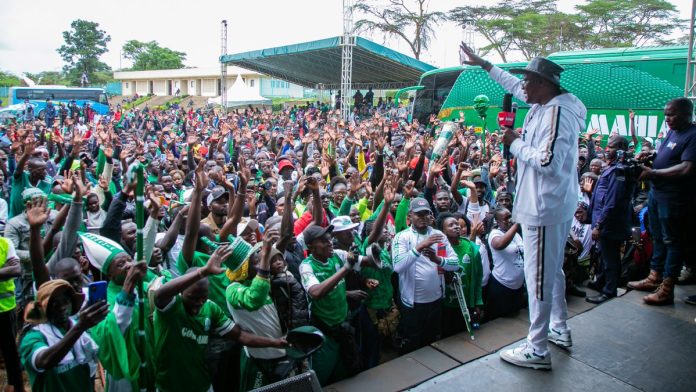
x: 524, y: 356
x: 561, y: 339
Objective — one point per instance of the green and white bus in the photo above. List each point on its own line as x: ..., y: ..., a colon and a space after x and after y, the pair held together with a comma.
x: 608, y: 81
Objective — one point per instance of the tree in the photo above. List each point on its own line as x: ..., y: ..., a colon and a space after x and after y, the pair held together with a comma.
x: 84, y: 44
x: 537, y: 28
x: 9, y: 80
x: 150, y: 55
x: 627, y: 22
x: 528, y: 27
x: 413, y: 22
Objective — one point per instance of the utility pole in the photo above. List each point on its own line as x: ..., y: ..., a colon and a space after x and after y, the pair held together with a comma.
x: 690, y: 86
x: 347, y: 43
x: 223, y: 66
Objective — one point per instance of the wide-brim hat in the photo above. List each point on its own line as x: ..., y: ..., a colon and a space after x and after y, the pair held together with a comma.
x: 303, y: 341
x: 36, y: 311
x: 542, y: 67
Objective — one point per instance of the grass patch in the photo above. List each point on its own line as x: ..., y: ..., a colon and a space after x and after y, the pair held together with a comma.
x: 137, y: 102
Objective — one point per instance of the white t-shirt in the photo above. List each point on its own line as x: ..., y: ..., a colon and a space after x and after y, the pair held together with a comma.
x: 508, y: 263
x: 428, y: 287
x: 583, y: 232
x: 485, y: 263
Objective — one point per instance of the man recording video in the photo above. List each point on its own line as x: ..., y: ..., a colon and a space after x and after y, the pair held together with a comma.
x: 547, y: 189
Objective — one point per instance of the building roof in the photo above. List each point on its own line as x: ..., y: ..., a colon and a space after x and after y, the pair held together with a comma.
x: 317, y: 64
x: 181, y: 73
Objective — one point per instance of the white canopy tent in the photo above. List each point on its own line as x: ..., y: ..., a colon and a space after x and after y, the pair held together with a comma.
x: 241, y: 95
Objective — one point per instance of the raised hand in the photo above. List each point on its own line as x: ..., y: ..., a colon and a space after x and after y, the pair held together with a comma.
x: 439, y: 166
x: 402, y: 163
x: 213, y: 266
x: 469, y: 57
x: 67, y: 184
x: 587, y: 185
x: 79, y: 186
x: 136, y: 273
x: 355, y: 185
x: 408, y: 189
x: 201, y: 177
x: 92, y: 315
x: 103, y: 184
x: 37, y: 211
x: 494, y: 168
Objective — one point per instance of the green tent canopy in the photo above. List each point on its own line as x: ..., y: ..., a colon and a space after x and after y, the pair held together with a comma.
x: 317, y: 64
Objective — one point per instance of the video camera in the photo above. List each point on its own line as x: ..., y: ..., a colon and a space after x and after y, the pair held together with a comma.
x: 630, y: 165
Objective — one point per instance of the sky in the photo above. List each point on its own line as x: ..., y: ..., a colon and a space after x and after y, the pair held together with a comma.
x: 28, y: 40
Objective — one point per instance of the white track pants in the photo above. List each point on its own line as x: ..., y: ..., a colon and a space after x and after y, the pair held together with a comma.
x: 543, y: 272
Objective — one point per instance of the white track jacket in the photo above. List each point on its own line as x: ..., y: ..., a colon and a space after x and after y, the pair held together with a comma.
x: 547, y: 155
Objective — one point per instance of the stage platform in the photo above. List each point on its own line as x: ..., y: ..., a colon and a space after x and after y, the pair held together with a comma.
x: 621, y: 345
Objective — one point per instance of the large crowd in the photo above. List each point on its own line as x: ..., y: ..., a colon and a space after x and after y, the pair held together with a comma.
x: 265, y: 223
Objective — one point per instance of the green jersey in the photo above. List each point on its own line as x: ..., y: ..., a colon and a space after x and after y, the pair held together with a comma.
x: 381, y: 296
x: 19, y: 185
x: 180, y: 343
x: 332, y: 309
x: 471, y: 272
x: 72, y: 373
x: 218, y: 283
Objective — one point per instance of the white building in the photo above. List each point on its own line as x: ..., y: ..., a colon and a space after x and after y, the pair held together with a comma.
x: 202, y: 82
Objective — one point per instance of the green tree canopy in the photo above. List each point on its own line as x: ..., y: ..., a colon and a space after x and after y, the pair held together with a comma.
x: 537, y: 28
x: 412, y: 22
x: 8, y: 79
x: 150, y: 55
x: 84, y: 44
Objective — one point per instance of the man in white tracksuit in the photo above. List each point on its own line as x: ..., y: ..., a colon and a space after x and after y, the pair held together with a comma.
x: 547, y: 189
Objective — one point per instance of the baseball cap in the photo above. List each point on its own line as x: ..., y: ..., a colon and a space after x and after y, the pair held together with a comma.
x: 253, y: 224
x: 343, y: 223
x: 283, y: 164
x: 419, y: 204
x: 215, y: 194
x: 478, y: 180
x: 313, y: 232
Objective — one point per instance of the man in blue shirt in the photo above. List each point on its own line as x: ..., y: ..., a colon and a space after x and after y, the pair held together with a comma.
x: 670, y: 203
x: 611, y: 218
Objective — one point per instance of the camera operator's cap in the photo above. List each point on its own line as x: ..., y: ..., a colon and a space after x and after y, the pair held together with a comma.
x: 343, y: 223
x: 304, y: 341
x: 314, y: 232
x: 216, y: 193
x: 419, y: 204
x: 543, y: 67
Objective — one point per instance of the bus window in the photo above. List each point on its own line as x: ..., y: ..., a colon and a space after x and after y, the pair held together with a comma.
x: 430, y: 99
x: 102, y: 99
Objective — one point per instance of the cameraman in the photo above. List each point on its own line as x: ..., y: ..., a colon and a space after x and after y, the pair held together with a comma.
x: 670, y: 202
x: 611, y: 217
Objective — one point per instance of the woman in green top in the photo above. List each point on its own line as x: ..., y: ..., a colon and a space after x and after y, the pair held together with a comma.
x: 470, y: 272
x: 56, y: 352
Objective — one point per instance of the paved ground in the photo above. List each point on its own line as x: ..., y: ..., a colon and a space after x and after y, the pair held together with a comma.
x: 621, y: 345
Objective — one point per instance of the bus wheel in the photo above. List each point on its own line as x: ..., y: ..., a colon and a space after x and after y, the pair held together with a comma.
x: 41, y: 115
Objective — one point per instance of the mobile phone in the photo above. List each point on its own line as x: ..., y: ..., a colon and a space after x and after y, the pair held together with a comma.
x: 635, y: 234
x: 96, y: 292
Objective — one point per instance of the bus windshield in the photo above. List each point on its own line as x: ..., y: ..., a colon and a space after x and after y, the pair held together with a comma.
x: 429, y: 100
